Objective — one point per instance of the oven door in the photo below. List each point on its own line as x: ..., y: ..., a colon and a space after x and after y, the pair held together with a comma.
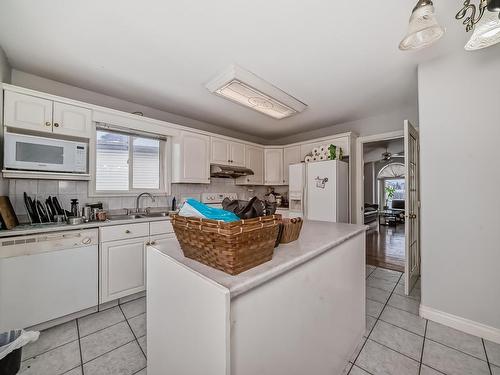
x: 38, y: 153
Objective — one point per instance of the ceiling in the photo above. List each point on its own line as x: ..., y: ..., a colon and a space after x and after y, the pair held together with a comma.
x: 340, y: 58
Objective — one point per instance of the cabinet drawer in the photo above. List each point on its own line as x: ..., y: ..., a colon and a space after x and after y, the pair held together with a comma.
x: 160, y: 227
x: 121, y: 232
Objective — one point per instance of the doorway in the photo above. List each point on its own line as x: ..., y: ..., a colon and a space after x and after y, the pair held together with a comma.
x: 387, y: 200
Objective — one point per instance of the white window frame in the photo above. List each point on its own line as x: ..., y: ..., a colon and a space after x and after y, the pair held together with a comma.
x: 164, y: 190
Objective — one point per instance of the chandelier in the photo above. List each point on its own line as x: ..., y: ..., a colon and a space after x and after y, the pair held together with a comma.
x: 482, y: 19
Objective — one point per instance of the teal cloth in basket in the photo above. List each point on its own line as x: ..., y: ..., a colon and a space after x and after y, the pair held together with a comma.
x: 212, y: 212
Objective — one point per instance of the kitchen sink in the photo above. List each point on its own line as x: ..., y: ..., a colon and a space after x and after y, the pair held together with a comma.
x: 125, y: 217
x: 157, y: 214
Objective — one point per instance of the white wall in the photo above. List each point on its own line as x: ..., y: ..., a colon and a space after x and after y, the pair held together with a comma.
x: 5, y: 70
x: 384, y: 123
x: 34, y: 82
x: 459, y: 108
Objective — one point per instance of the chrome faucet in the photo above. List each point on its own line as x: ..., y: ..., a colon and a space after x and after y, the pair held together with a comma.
x: 139, y: 200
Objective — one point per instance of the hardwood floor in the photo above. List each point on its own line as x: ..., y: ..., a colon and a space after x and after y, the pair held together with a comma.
x: 386, y: 248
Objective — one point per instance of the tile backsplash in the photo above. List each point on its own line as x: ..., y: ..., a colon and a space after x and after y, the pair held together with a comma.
x: 67, y: 190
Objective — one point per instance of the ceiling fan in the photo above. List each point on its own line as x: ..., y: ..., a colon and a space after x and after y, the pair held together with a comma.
x: 386, y: 156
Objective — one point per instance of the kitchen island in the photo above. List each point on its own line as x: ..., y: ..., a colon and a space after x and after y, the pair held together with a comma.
x: 303, y: 312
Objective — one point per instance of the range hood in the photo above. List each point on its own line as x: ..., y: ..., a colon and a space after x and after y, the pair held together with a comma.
x: 229, y: 171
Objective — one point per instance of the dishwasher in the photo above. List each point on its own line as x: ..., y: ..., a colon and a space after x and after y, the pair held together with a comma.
x: 47, y: 276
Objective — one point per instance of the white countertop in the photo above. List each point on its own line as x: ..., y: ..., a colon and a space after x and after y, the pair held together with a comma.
x: 27, y: 229
x: 315, y: 238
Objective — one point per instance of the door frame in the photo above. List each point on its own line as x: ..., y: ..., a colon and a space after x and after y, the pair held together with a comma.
x: 360, y: 188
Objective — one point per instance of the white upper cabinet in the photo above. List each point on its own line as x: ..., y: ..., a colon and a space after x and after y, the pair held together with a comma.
x: 273, y: 166
x: 27, y: 112
x: 72, y: 120
x: 291, y: 155
x: 226, y: 152
x: 191, y: 158
x: 43, y: 115
x: 254, y: 160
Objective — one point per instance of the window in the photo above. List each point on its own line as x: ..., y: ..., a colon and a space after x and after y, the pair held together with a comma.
x: 128, y: 163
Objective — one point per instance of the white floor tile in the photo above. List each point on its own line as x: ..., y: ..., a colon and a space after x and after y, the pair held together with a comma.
x: 370, y: 323
x: 358, y: 371
x: 398, y: 339
x: 54, y: 362
x: 134, y: 308
x: 94, y: 322
x: 456, y: 339
x: 404, y: 319
x: 126, y: 360
x: 404, y: 303
x: 376, y: 294
x: 105, y: 340
x: 495, y: 370
x: 380, y: 283
x: 451, y: 361
x: 373, y: 308
x: 138, y: 325
x: 51, y: 338
x: 75, y: 371
x: 379, y: 360
x: 386, y: 274
x: 142, y: 372
x: 493, y: 350
x: 143, y: 344
x: 426, y: 370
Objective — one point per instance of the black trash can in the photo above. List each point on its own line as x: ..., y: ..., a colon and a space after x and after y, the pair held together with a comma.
x: 10, y: 364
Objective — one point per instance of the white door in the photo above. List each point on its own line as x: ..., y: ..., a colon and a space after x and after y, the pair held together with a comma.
x: 291, y: 155
x: 72, y: 120
x: 237, y: 154
x: 123, y: 268
x: 412, y: 220
x: 27, y: 112
x: 321, y: 201
x: 273, y: 166
x: 219, y: 151
x: 254, y: 160
x: 195, y: 158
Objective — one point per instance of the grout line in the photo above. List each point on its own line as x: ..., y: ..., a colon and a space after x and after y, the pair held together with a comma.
x: 422, y: 353
x: 79, y: 344
x: 102, y: 329
x: 109, y: 351
x: 404, y: 329
x: 457, y: 350
x: 381, y: 311
x: 133, y: 333
x: 139, y: 370
x: 49, y: 350
x: 394, y: 350
x: 487, y: 359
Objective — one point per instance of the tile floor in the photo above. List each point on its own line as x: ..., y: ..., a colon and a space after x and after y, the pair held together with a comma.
x: 112, y: 341
x: 397, y: 340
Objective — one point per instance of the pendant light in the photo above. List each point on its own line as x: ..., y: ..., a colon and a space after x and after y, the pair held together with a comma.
x: 486, y: 32
x: 423, y: 28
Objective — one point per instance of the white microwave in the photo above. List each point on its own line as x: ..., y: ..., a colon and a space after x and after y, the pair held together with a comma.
x: 32, y: 153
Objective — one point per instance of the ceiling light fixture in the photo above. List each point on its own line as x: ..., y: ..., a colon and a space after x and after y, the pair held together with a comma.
x: 245, y: 88
x: 484, y: 20
x: 423, y: 28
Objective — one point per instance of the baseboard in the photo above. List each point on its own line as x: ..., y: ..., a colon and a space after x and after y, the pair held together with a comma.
x: 462, y: 324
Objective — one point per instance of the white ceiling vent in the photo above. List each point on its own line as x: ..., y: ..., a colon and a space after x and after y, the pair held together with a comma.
x: 245, y: 88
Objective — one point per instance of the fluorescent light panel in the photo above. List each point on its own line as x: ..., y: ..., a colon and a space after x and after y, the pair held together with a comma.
x: 245, y: 88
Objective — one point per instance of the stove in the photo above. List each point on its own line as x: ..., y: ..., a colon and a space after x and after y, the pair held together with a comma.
x: 215, y: 199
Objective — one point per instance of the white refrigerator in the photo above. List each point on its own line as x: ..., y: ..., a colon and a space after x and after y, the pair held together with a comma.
x: 320, y: 191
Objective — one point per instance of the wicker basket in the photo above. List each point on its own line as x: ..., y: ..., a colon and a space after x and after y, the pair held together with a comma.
x: 230, y: 247
x: 291, y: 229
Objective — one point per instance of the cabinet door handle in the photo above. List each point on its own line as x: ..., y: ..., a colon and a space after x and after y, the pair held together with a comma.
x: 48, y: 123
x: 127, y: 231
x: 153, y: 242
x: 56, y: 124
x: 148, y: 243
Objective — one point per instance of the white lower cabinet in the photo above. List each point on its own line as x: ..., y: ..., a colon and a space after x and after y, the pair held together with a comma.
x: 123, y: 268
x: 123, y: 260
